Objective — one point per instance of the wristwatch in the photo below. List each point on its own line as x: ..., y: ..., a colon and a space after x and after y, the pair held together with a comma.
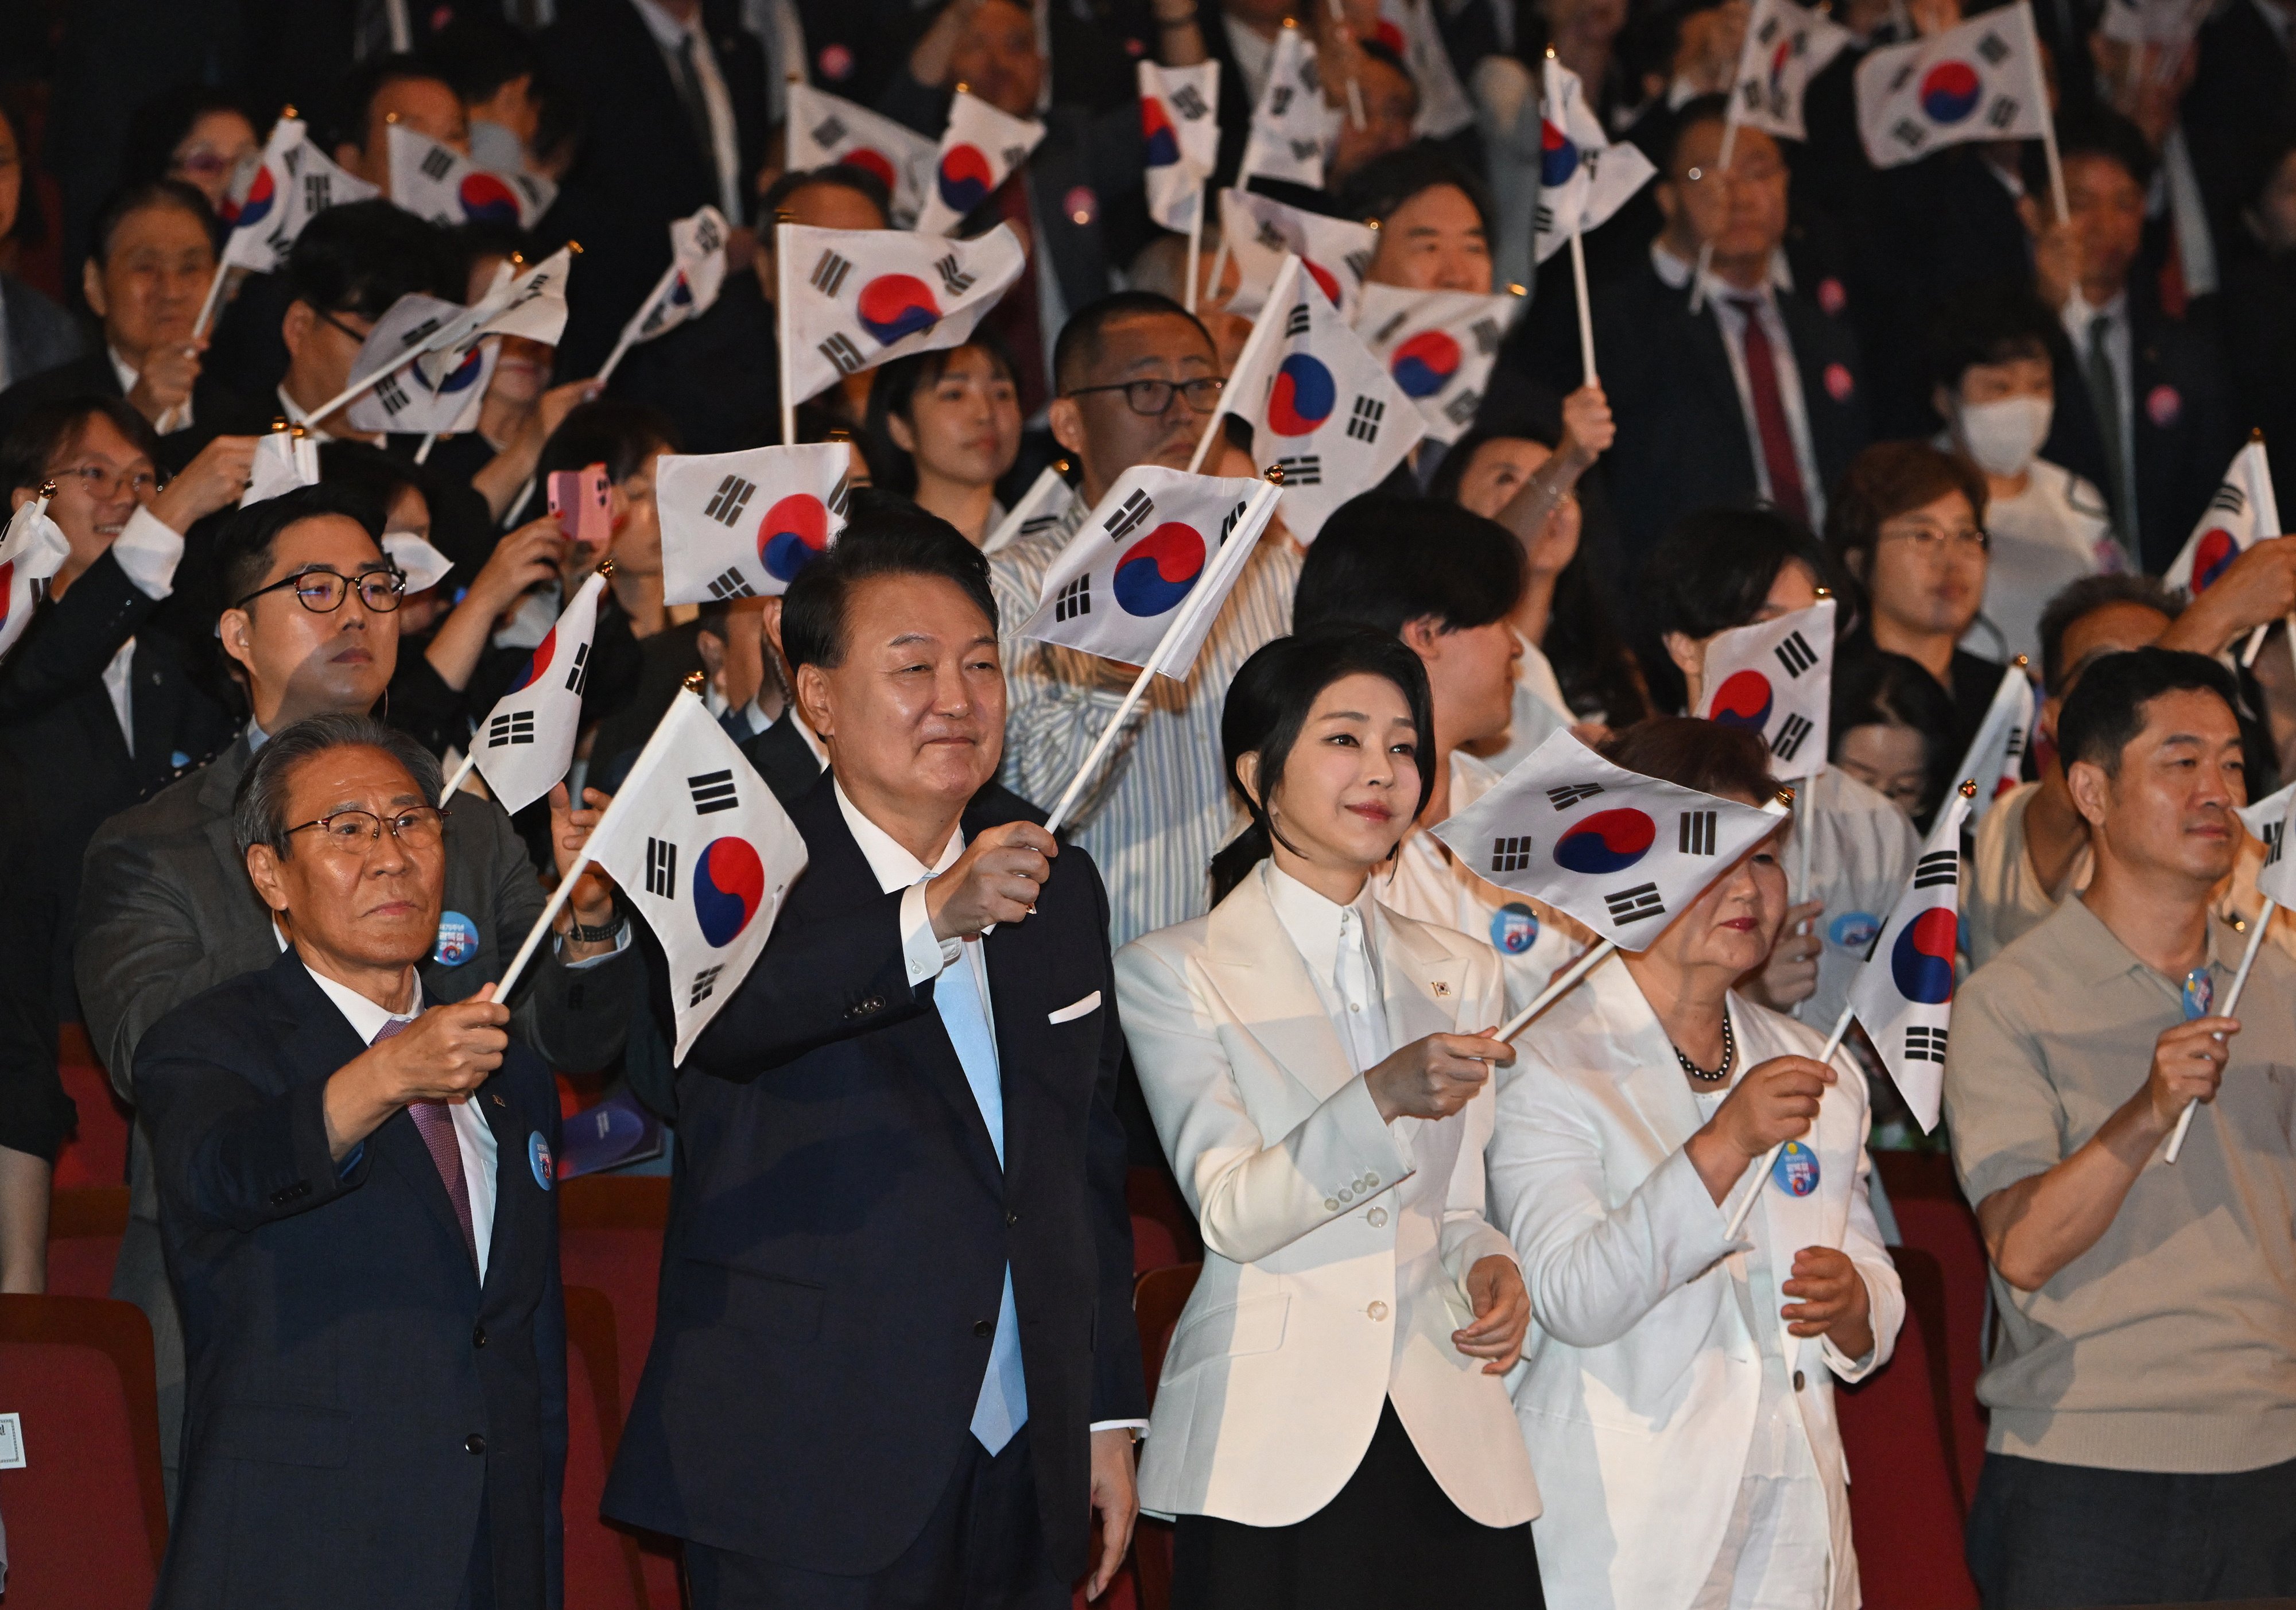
x: 603, y: 934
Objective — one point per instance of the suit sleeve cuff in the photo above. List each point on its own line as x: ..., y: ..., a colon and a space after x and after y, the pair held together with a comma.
x: 922, y: 952
x: 1139, y: 1428
x: 148, y: 550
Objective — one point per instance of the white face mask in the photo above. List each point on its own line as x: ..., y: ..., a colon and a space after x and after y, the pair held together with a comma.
x: 2002, y: 437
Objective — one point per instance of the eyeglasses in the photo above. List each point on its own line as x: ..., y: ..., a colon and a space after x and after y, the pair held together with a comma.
x: 99, y: 483
x: 330, y: 319
x: 323, y: 592
x: 356, y: 832
x: 1936, y: 539
x: 1152, y: 397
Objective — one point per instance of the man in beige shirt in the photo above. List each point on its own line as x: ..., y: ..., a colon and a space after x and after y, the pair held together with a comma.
x: 2143, y: 1386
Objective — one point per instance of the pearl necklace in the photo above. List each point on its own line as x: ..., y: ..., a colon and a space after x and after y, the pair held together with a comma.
x: 1729, y: 1056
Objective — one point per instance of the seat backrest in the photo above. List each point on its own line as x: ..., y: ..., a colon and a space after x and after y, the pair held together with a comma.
x: 1158, y: 1297
x: 609, y: 1231
x: 1151, y: 1246
x: 1152, y: 1193
x: 602, y: 1571
x: 86, y: 1514
x: 1934, y: 1217
x: 85, y: 1226
x: 97, y: 1152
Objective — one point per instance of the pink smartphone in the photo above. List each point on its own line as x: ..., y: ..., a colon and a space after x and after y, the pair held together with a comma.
x: 578, y: 497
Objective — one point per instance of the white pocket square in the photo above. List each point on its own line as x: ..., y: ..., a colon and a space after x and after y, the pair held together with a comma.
x: 1071, y: 1013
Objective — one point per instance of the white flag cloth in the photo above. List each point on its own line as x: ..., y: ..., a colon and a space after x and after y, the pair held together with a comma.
x: 1996, y: 754
x: 1582, y: 178
x: 1321, y: 407
x: 1622, y: 852
x: 2243, y: 512
x: 852, y: 298
x: 408, y: 399
x: 526, y: 743
x: 1776, y: 680
x: 1163, y: 546
x: 1040, y: 509
x: 290, y: 185
x: 1179, y: 122
x: 1979, y: 82
x: 283, y: 461
x: 2267, y: 819
x: 979, y: 150
x: 31, y: 551
x: 1904, y: 993
x: 739, y: 525
x: 2170, y: 24
x: 1786, y: 47
x: 697, y: 273
x: 1407, y: 27
x: 1439, y: 347
x: 823, y: 130
x: 1336, y: 253
x: 423, y: 566
x: 1293, y: 126
x: 700, y: 847
x: 440, y: 184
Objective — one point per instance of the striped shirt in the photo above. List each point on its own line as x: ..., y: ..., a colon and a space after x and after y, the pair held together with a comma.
x: 1160, y: 806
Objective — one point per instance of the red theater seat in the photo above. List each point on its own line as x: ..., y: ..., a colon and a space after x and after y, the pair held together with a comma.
x: 1152, y: 1195
x: 97, y: 1152
x: 84, y: 1230
x: 603, y: 1568
x: 1933, y: 1216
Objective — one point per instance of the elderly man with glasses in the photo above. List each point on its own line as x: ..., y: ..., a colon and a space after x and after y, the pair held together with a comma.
x: 355, y: 1182
x: 165, y: 911
x: 1138, y: 379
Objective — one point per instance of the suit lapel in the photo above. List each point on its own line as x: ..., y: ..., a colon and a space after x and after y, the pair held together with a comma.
x: 1422, y: 985
x: 1253, y: 964
x: 515, y: 1207
x: 1652, y: 1082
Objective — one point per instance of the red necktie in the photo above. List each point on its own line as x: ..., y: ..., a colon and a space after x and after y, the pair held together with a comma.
x: 1770, y: 415
x: 434, y: 1120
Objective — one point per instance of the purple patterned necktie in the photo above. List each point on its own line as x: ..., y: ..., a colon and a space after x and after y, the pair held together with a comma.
x: 434, y: 1120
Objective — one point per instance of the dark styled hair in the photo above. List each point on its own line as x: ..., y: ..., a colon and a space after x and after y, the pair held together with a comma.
x: 476, y: 55
x: 166, y: 119
x: 1996, y: 323
x: 1078, y: 346
x: 1382, y: 561
x: 1889, y: 479
x: 258, y: 810
x: 2105, y: 710
x: 47, y: 428
x: 1689, y: 115
x: 362, y: 255
x: 884, y: 536
x: 2078, y: 600
x: 2099, y: 131
x: 353, y: 97
x: 244, y: 548
x: 369, y: 473
x: 895, y: 393
x: 1873, y: 687
x: 1267, y: 704
x: 843, y: 176
x: 621, y: 435
x: 1710, y: 572
x: 1384, y: 184
x: 151, y: 195
x: 1705, y: 755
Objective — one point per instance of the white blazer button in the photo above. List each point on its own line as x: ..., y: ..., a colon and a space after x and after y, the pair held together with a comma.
x: 1346, y: 1195
x: 1377, y: 1216
x: 1331, y: 1204
x: 1377, y: 1311
x: 1370, y: 1179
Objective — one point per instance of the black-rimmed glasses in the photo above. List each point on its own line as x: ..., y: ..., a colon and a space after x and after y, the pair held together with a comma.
x: 355, y: 831
x: 323, y: 592
x: 1152, y: 397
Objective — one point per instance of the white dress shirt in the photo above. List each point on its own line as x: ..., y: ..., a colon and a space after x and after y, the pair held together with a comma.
x: 148, y: 550
x: 725, y: 147
x: 1335, y: 942
x: 471, y: 1137
x: 2077, y: 315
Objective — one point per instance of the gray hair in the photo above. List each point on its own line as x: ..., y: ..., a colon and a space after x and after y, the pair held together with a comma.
x: 259, y: 810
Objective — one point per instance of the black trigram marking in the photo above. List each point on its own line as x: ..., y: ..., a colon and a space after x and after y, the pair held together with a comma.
x: 1388, y: 332
x: 1075, y: 599
x: 705, y: 985
x: 578, y: 675
x: 841, y: 351
x: 2013, y: 748
x: 830, y: 131
x: 438, y: 162
x: 1910, y: 134
x: 1570, y: 794
x: 1461, y: 410
x: 840, y: 495
x: 1272, y: 238
x: 2229, y: 499
x: 1188, y: 102
x: 1938, y: 866
x: 1486, y: 331
x: 954, y: 279
x: 1301, y: 150
x: 1296, y: 322
x: 318, y: 192
x: 730, y: 583
x: 1698, y: 832
x: 421, y: 332
x: 1796, y: 655
x: 1541, y: 219
x: 1129, y: 516
x: 1510, y: 854
x: 1234, y: 515
x: 1993, y: 48
x: 391, y: 395
x: 1791, y: 733
x: 732, y: 497
x: 1358, y: 263
x: 1013, y: 155
x: 1364, y: 426
x: 1634, y: 905
x: 1901, y: 78
x: 1279, y: 100
x: 713, y: 791
x: 1305, y: 471
x: 1925, y: 1044
x: 829, y: 275
x: 2272, y: 830
x: 2004, y: 111
x: 1040, y: 525
x: 706, y: 238
x: 661, y: 868
x: 512, y: 726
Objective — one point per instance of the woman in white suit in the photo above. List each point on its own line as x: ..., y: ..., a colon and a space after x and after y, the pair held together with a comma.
x: 1332, y: 1429
x: 1677, y: 1395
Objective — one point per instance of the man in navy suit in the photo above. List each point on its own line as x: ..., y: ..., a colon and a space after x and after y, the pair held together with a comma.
x: 895, y: 1362
x: 355, y: 1196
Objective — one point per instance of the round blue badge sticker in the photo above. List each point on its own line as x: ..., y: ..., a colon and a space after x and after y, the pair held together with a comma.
x: 1854, y: 930
x: 538, y: 1158
x: 458, y: 940
x: 1514, y: 928
x: 1795, y: 1172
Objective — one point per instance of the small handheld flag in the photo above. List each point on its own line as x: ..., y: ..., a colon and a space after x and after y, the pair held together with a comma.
x: 403, y: 396
x: 1995, y: 761
x: 743, y: 525
x: 1258, y: 231
x: 1293, y: 126
x: 824, y: 128
x: 285, y: 459
x: 439, y: 184
x: 1979, y: 82
x: 31, y: 551
x: 525, y: 745
x: 1776, y: 680
x: 853, y: 299
x: 1408, y: 28
x: 1786, y: 47
x: 1438, y: 347
x: 688, y: 288
x: 1040, y: 509
x: 2244, y: 512
x: 290, y: 185
x: 1582, y: 178
x: 1179, y: 125
x: 979, y: 151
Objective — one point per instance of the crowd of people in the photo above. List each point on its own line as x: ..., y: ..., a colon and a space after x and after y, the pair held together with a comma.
x: 1481, y: 1319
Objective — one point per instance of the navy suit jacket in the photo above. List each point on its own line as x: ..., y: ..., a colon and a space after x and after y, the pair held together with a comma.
x: 355, y: 1395
x: 839, y: 1229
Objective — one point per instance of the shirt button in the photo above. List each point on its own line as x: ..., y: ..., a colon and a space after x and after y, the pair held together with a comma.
x: 984, y: 1327
x: 478, y: 1337
x: 1798, y: 1381
x: 1377, y: 1311
x: 1376, y: 1217
x: 1011, y: 1220
x: 475, y: 1444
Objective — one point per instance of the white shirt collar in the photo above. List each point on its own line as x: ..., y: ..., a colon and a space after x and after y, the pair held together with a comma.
x: 812, y: 739
x: 894, y: 866
x: 366, y: 1018
x: 668, y: 31
x: 2078, y: 313
x: 1318, y: 925
x: 1674, y: 274
x: 126, y: 372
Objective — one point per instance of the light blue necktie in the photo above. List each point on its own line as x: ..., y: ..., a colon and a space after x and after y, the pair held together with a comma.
x: 1003, y: 1407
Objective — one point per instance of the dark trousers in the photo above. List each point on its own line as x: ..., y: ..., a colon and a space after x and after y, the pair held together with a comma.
x: 2043, y: 1536
x: 1391, y: 1538
x: 981, y: 1548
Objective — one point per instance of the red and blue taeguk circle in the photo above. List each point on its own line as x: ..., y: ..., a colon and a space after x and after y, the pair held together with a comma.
x: 7, y: 589
x: 729, y: 885
x: 1558, y: 157
x: 1425, y: 364
x: 486, y: 200
x: 1922, y: 960
x: 894, y: 305
x: 871, y: 161
x: 1950, y: 91
x: 793, y: 534
x: 465, y: 373
x: 1324, y: 277
x: 1609, y: 840
x: 1743, y: 701
x: 1779, y: 57
x: 260, y: 195
x: 1156, y: 129
x: 2213, y: 556
x: 1303, y: 397
x: 965, y: 177
x: 538, y: 662
x: 1157, y: 571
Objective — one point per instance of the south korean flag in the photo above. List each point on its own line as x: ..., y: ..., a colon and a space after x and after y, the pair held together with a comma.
x: 268, y: 204
x: 1995, y: 761
x: 1775, y: 680
x: 31, y: 553
x: 1903, y: 992
x: 979, y: 151
x: 743, y: 525
x: 406, y: 398
x: 825, y: 129
x: 700, y: 848
x: 1179, y: 126
x: 1321, y: 407
x: 525, y: 745
x: 1623, y: 853
x: 689, y: 287
x: 1786, y: 47
x: 1408, y: 28
x: 2243, y: 512
x: 1259, y: 231
x: 2268, y: 820
x: 440, y: 184
x: 1439, y: 347
x: 1293, y: 126
x: 853, y: 299
x: 1582, y: 178
x: 1979, y: 82
x: 1040, y: 509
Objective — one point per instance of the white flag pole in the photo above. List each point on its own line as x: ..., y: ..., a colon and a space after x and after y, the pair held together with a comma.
x: 1557, y: 986
x: 1586, y: 313
x: 423, y: 453
x: 2231, y: 1004
x: 358, y: 387
x: 1263, y: 331
x: 214, y: 296
x: 1721, y: 168
x: 1770, y: 1158
x: 628, y: 338
x: 782, y: 228
x: 2048, y: 123
x: 1196, y: 240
